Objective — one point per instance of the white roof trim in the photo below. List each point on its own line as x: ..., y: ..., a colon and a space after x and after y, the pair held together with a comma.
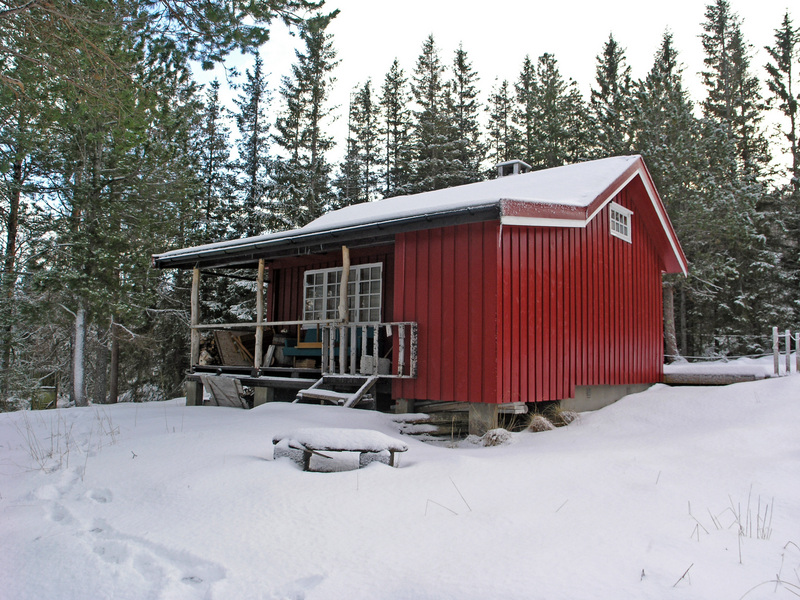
x: 542, y: 222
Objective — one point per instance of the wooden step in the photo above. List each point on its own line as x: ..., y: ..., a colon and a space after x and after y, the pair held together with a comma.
x: 338, y: 398
x: 346, y: 399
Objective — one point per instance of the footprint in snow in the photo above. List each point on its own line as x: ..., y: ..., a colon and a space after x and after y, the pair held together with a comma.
x: 101, y: 496
x: 165, y: 569
x: 59, y: 514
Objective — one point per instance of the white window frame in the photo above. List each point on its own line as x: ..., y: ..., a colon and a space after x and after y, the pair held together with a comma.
x: 364, y: 296
x: 620, y: 222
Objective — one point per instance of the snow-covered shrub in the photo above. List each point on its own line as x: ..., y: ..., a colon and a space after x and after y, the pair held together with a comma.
x: 560, y: 417
x: 496, y: 437
x: 539, y: 423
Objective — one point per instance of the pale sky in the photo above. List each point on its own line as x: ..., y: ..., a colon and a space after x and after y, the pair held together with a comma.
x: 369, y: 34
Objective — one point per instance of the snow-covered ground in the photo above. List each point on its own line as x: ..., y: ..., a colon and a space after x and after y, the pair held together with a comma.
x: 672, y: 493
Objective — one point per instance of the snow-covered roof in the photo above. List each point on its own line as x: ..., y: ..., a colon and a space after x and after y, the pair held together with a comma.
x: 567, y: 196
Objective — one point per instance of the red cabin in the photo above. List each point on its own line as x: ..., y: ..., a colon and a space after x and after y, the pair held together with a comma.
x: 530, y: 287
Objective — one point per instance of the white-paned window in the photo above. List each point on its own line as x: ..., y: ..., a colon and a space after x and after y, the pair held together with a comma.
x: 321, y: 294
x: 620, y: 221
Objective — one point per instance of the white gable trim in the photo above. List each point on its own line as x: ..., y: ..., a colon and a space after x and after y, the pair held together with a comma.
x: 542, y: 222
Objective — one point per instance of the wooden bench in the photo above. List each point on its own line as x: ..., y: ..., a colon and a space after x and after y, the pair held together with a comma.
x: 371, y: 445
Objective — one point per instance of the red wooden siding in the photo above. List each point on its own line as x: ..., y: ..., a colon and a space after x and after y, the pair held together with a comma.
x: 445, y: 280
x: 285, y: 290
x: 524, y: 314
x: 588, y: 313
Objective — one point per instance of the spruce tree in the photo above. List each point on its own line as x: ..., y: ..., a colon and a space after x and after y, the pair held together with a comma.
x: 503, y: 137
x: 463, y: 107
x: 215, y: 200
x: 733, y: 100
x: 254, y: 164
x: 560, y: 129
x: 348, y: 183
x: 667, y: 135
x: 783, y: 211
x: 358, y: 180
x: 433, y: 160
x: 527, y: 97
x: 782, y: 83
x: 396, y: 131
x: 610, y: 104
x: 302, y: 175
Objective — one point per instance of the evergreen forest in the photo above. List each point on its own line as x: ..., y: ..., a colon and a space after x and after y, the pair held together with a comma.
x: 110, y: 151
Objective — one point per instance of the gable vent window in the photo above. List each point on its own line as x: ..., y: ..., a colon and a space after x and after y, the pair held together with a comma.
x: 620, y: 221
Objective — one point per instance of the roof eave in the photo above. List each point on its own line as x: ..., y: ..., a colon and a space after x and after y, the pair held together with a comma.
x: 318, y: 242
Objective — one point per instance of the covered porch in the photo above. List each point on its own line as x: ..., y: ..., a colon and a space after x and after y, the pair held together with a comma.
x: 339, y: 340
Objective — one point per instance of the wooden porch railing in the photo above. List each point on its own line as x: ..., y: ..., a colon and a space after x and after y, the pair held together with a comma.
x: 356, y: 345
x: 349, y: 348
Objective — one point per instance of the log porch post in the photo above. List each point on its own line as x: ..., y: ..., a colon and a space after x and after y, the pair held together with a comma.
x: 194, y: 389
x: 195, y: 318
x: 343, y: 312
x: 259, y: 315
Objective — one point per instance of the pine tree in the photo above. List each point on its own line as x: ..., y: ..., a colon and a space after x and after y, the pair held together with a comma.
x: 463, y: 108
x: 610, y: 102
x: 396, y: 131
x: 503, y: 137
x: 733, y: 100
x: 302, y: 176
x: 254, y: 163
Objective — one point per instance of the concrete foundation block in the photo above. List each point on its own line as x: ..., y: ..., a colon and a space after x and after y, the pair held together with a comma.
x: 482, y: 417
x: 194, y: 393
x: 403, y: 407
x: 262, y: 395
x: 594, y: 397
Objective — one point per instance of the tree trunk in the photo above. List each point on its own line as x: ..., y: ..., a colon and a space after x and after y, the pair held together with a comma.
x: 113, y: 379
x: 101, y: 377
x: 78, y: 362
x: 684, y: 335
x: 9, y: 274
x: 670, y: 340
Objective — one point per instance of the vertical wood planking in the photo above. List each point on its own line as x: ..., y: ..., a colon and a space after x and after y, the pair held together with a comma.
x: 461, y: 314
x: 476, y: 290
x: 451, y: 301
x: 538, y: 349
x: 582, y: 308
x: 445, y: 290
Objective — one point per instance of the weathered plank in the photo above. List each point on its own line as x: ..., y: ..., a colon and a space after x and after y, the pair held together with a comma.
x: 707, y: 378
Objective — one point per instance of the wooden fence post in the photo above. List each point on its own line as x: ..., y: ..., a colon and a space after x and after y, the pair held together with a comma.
x: 797, y: 352
x: 775, y: 353
x: 788, y: 343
